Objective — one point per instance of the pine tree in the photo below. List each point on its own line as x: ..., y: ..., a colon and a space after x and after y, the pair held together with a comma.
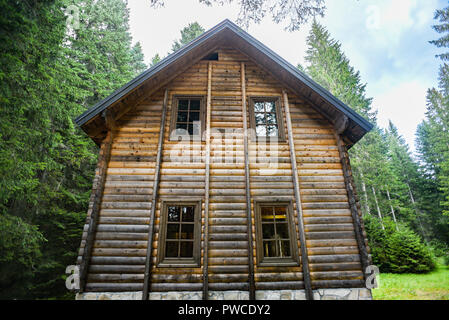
x: 188, y: 33
x: 433, y: 134
x: 49, y: 76
x: 387, y: 178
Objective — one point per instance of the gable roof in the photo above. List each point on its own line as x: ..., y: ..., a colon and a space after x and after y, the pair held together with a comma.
x: 226, y: 32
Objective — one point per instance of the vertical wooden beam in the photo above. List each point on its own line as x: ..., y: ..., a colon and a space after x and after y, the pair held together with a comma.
x: 301, y: 233
x: 350, y: 189
x: 102, y: 166
x: 206, y: 191
x: 157, y: 175
x: 252, y: 288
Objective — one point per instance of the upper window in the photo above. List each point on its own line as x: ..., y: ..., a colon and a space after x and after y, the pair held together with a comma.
x: 275, y: 234
x: 187, y: 117
x: 266, y: 118
x: 180, y: 234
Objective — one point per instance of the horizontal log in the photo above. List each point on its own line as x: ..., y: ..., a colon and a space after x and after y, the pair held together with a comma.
x: 115, y: 278
x: 334, y: 258
x: 124, y: 213
x: 122, y: 228
x: 227, y: 221
x: 332, y: 250
x: 128, y: 269
x: 228, y: 269
x: 164, y: 287
x: 118, y: 252
x: 328, y: 227
x: 351, y: 266
x: 176, y: 278
x: 113, y: 287
x: 327, y: 220
x: 219, y: 286
x: 228, y: 261
x: 142, y: 236
x: 324, y: 284
x: 118, y: 260
x: 123, y: 220
x: 228, y: 229
x: 228, y: 252
x: 270, y: 277
x: 119, y: 244
x: 331, y: 243
x: 280, y: 285
x: 330, y: 235
x: 227, y: 278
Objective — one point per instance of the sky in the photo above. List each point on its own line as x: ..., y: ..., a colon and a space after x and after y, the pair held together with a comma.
x: 386, y: 40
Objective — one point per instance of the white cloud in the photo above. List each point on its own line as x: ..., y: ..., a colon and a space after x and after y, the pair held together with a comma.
x: 405, y: 105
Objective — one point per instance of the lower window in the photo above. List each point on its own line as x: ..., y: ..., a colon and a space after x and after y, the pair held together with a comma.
x: 276, y: 240
x: 179, y: 234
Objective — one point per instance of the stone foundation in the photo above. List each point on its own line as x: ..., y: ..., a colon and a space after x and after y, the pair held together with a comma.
x: 320, y: 294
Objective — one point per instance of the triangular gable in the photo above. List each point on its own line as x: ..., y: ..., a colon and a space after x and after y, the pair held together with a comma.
x: 350, y: 124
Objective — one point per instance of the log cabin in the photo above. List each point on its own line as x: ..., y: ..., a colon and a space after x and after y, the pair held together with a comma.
x: 223, y: 173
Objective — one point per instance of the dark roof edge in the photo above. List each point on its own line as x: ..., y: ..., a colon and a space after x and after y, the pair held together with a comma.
x: 120, y: 93
x: 365, y: 124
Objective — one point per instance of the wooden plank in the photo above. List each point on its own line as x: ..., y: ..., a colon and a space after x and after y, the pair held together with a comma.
x: 350, y: 188
x: 301, y: 233
x: 252, y: 287
x: 207, y: 186
x: 105, y: 154
x: 157, y: 174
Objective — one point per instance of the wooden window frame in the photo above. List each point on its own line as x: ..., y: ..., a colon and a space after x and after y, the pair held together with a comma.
x: 271, y: 261
x: 279, y: 117
x: 163, y: 261
x: 174, y: 116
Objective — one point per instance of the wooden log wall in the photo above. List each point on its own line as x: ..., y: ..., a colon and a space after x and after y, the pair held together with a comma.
x: 120, y: 246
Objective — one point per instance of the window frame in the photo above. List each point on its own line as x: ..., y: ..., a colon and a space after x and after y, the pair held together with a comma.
x: 162, y: 260
x: 263, y: 261
x: 279, y: 117
x: 174, y: 116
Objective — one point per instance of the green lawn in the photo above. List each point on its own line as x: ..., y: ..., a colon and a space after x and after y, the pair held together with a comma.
x: 431, y: 286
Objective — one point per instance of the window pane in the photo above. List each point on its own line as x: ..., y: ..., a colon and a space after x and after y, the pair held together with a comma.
x: 181, y: 126
x: 194, y: 116
x: 270, y: 106
x: 285, y: 249
x: 183, y: 105
x: 272, y: 131
x: 182, y: 116
x: 271, y: 118
x: 188, y: 214
x: 259, y: 107
x: 268, y: 231
x: 173, y: 214
x: 261, y: 131
x: 267, y: 214
x: 269, y: 248
x: 281, y: 213
x: 195, y: 104
x: 282, y: 230
x: 171, y: 249
x: 260, y: 118
x: 186, y: 249
x: 172, y: 231
x: 187, y: 231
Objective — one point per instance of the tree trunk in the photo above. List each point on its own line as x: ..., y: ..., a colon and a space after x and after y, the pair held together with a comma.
x: 365, y: 195
x: 392, y: 210
x: 417, y: 212
x: 378, y: 209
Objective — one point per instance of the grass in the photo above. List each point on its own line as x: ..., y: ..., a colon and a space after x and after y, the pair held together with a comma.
x: 431, y: 286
